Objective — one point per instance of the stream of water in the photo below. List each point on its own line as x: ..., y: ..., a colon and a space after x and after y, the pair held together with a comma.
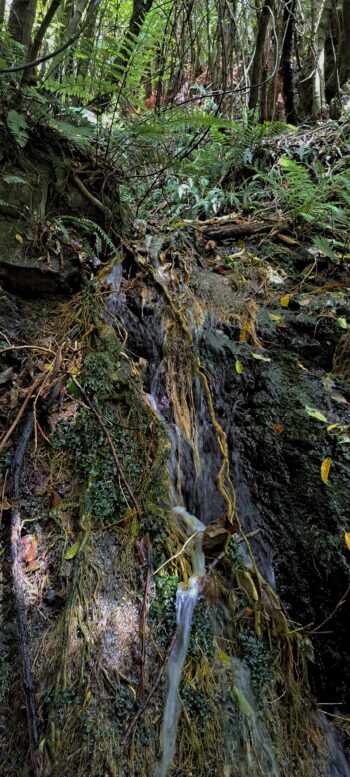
x: 186, y: 600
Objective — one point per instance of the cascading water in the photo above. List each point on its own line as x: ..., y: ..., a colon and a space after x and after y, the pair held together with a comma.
x: 186, y: 600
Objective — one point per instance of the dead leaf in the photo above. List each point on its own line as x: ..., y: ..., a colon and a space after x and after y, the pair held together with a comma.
x: 56, y: 500
x: 279, y: 428
x: 301, y: 366
x: 347, y: 539
x: 289, y: 240
x: 210, y: 245
x: 6, y: 375
x: 325, y: 468
x: 5, y: 504
x: 32, y: 551
x: 19, y: 239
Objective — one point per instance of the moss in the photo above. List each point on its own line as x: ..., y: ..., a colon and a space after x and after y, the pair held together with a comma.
x: 257, y: 656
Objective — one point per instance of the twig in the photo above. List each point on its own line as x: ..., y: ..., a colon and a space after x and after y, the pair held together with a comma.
x: 111, y: 445
x: 8, y: 434
x: 179, y: 552
x: 339, y: 604
x: 141, y: 709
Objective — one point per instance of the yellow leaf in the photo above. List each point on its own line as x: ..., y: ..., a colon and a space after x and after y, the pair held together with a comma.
x: 274, y: 317
x: 239, y: 367
x: 284, y: 301
x: 72, y: 551
x: 5, y: 505
x: 19, y: 239
x: 325, y: 467
x: 260, y: 357
x: 333, y: 426
x: 347, y: 539
x: 301, y: 366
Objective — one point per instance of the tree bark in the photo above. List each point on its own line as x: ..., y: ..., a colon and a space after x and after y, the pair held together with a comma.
x: 260, y: 52
x: 286, y: 67
x: 17, y: 18
x: 344, y: 54
x: 320, y: 21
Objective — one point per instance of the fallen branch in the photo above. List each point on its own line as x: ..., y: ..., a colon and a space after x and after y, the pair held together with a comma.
x: 224, y: 229
x: 111, y: 445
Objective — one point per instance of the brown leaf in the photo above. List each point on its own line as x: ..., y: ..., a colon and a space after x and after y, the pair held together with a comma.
x: 32, y: 551
x: 279, y: 428
x: 56, y: 500
x: 210, y: 245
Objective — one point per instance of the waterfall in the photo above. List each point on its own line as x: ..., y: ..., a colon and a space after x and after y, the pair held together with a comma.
x: 186, y: 600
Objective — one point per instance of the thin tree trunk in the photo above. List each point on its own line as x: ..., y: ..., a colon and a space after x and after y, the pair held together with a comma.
x: 286, y: 67
x: 344, y: 58
x: 320, y: 20
x: 72, y: 29
x: 259, y: 63
x: 17, y: 18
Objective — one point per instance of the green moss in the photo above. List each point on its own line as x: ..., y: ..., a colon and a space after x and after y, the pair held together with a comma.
x: 163, y: 609
x: 257, y: 656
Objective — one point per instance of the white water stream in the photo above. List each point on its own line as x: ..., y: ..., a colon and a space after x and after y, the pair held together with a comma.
x: 186, y: 600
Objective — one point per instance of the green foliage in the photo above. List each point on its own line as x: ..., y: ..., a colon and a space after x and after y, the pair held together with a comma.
x: 83, y: 225
x: 257, y: 656
x: 86, y: 444
x: 163, y: 608
x: 15, y: 180
x: 202, y: 632
x: 234, y: 553
x: 18, y: 127
x: 196, y: 704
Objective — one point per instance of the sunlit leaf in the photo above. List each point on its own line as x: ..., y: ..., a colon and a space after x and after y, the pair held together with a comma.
x: 72, y: 551
x: 274, y: 317
x: 19, y: 239
x: 314, y: 413
x: 347, y: 539
x: 342, y: 323
x: 325, y: 468
x: 284, y: 301
x: 239, y: 367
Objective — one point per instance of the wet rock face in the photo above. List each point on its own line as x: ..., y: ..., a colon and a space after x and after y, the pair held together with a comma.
x: 276, y: 455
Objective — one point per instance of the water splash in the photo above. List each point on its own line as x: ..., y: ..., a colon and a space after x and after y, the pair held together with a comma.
x: 186, y: 600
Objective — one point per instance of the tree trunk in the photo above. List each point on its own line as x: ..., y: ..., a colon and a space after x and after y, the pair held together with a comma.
x: 72, y: 29
x: 259, y: 63
x: 344, y: 56
x: 320, y: 20
x: 286, y: 67
x: 17, y: 19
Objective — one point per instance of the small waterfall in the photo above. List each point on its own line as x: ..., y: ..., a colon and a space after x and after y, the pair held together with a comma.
x: 186, y: 600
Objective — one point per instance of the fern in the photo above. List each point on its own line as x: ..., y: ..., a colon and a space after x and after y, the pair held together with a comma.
x: 325, y: 247
x: 18, y: 127
x: 14, y: 179
x: 87, y: 225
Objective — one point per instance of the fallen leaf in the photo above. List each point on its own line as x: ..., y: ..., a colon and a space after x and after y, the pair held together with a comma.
x: 72, y: 551
x: 274, y: 317
x: 19, y: 239
x: 210, y: 245
x: 325, y: 468
x: 32, y: 551
x: 56, y: 500
x: 284, y: 301
x: 347, y: 539
x: 279, y: 428
x: 311, y: 411
x: 289, y: 240
x: 239, y: 367
x: 5, y: 504
x: 260, y: 357
x: 301, y: 366
x: 244, y: 333
x: 248, y: 611
x: 333, y: 426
